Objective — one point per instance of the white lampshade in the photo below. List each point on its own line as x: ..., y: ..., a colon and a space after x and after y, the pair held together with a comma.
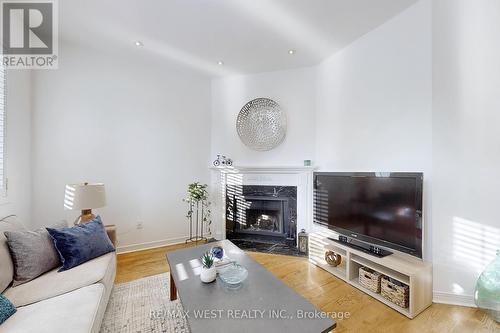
x: 84, y: 196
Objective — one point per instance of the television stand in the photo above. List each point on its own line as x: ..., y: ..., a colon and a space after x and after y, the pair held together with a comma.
x: 401, y: 268
x: 369, y: 249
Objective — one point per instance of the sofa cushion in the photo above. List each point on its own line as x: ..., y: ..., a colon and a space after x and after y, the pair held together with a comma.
x: 81, y: 243
x: 73, y: 312
x: 32, y: 252
x: 56, y: 283
x: 6, y: 264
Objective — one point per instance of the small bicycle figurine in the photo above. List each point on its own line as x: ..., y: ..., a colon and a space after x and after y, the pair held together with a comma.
x: 223, y: 161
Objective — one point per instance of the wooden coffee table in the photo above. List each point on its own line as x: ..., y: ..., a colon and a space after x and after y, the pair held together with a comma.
x: 263, y: 303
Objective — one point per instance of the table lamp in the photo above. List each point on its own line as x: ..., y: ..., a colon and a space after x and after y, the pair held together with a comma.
x: 84, y: 197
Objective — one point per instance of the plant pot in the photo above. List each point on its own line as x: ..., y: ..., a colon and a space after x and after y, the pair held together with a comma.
x: 208, y: 275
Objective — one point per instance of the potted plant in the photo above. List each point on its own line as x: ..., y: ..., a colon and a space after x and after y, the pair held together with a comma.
x: 208, y: 271
x: 198, y: 213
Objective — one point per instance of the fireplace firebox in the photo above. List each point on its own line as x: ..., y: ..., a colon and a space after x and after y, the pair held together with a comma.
x: 262, y: 213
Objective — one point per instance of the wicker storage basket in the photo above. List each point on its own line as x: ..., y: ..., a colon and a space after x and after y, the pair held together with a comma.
x: 370, y: 279
x: 395, y: 291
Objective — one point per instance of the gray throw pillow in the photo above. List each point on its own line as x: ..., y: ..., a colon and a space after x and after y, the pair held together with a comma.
x: 9, y: 223
x: 33, y: 253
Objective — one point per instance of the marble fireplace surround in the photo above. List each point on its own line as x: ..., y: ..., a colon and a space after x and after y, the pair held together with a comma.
x: 301, y: 177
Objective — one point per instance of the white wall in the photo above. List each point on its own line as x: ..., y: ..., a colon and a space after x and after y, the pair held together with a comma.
x: 18, y: 146
x: 294, y: 90
x: 466, y: 142
x: 138, y: 125
x: 375, y: 103
x: 374, y: 99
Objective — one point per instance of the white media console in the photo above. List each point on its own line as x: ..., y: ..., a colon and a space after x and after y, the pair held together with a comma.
x: 408, y: 270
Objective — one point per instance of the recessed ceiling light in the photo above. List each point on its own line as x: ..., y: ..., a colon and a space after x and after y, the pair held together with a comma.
x: 138, y: 43
x: 291, y: 51
x: 220, y: 62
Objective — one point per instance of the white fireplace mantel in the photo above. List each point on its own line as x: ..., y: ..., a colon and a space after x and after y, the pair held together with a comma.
x: 299, y: 176
x: 265, y: 169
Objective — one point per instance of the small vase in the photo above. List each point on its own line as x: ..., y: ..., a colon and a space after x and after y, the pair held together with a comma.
x: 207, y: 275
x: 487, y: 293
x: 217, y: 252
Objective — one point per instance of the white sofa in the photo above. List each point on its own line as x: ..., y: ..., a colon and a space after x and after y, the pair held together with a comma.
x: 70, y: 301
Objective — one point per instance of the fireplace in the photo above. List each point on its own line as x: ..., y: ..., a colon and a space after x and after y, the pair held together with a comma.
x: 263, y: 216
x: 262, y: 213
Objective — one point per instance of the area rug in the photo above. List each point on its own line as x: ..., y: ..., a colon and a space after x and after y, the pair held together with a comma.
x: 141, y: 306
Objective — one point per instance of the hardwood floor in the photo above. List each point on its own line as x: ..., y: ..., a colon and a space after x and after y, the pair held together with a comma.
x: 329, y: 294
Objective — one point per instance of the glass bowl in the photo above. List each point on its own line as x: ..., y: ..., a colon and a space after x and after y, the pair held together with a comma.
x: 233, y: 275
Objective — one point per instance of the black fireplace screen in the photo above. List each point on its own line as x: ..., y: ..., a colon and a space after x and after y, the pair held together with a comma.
x: 263, y: 215
x: 261, y: 211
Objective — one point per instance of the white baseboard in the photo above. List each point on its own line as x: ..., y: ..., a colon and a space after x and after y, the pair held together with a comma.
x: 453, y: 299
x: 153, y: 244
x: 150, y: 245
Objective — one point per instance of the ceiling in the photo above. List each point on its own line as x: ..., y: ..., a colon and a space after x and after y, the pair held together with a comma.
x: 249, y: 36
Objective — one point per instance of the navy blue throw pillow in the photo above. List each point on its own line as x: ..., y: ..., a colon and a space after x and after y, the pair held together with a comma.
x: 6, y: 309
x: 81, y: 243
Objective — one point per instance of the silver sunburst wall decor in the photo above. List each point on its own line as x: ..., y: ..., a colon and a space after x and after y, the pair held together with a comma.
x: 261, y: 124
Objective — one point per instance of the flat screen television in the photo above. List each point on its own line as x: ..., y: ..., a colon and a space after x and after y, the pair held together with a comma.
x: 384, y: 209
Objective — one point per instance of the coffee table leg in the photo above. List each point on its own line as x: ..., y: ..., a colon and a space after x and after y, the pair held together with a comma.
x: 173, y: 289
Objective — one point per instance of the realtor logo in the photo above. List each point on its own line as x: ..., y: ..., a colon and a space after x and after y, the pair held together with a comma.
x: 29, y: 34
